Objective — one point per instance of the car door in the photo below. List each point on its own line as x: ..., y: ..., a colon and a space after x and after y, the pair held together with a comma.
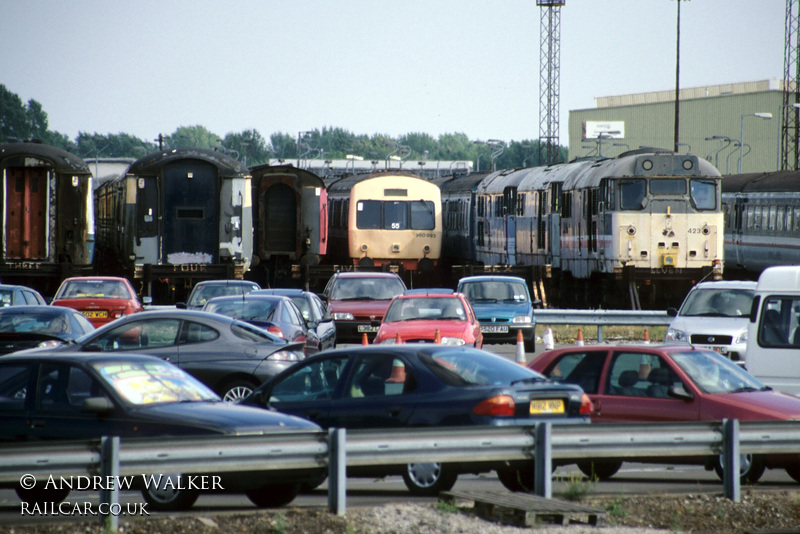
x: 326, y: 330
x: 308, y: 391
x: 153, y: 336
x: 57, y: 410
x: 16, y: 399
x: 636, y: 389
x: 375, y: 394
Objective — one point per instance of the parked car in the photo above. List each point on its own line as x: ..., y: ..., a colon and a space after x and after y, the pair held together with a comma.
x: 430, y: 317
x: 229, y: 356
x: 315, y: 312
x: 275, y: 314
x: 668, y: 383
x: 14, y: 295
x: 503, y: 306
x: 418, y: 385
x: 202, y: 292
x: 26, y: 327
x: 101, y: 299
x: 714, y: 315
x: 357, y: 299
x: 64, y: 396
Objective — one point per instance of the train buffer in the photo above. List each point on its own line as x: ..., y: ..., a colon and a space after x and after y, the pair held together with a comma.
x: 524, y: 509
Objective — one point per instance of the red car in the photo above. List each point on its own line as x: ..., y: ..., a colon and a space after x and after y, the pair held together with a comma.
x: 668, y: 383
x: 431, y: 317
x: 101, y: 299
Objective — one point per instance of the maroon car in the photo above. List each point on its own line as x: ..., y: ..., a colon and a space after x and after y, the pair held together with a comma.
x: 357, y: 299
x: 667, y: 383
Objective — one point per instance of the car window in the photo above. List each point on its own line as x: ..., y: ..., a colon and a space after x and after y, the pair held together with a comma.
x: 63, y: 387
x: 304, y: 306
x: 198, y: 333
x: 30, y: 298
x: 580, y: 368
x: 636, y: 374
x: 152, y: 333
x: 713, y: 373
x: 14, y: 380
x: 6, y: 297
x: 318, y: 308
x: 314, y: 381
x: 79, y: 289
x: 202, y: 293
x: 380, y: 375
x: 715, y: 302
x: 780, y: 323
x: 251, y: 333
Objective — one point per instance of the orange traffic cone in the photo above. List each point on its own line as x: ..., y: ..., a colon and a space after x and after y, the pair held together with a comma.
x: 646, y: 337
x: 364, y: 339
x: 520, y: 358
x: 397, y: 339
x: 437, y: 337
x: 398, y: 373
x: 579, y: 339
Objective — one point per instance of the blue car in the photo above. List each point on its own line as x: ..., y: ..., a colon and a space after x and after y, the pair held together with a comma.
x: 503, y: 306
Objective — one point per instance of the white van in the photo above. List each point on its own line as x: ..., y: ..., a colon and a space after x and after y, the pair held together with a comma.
x: 773, y: 338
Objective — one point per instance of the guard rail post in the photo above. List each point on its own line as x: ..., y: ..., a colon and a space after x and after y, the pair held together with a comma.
x: 337, y: 470
x: 543, y: 464
x: 109, y: 471
x: 730, y: 460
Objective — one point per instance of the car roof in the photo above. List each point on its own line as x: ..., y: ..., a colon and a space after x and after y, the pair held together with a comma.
x: 249, y: 296
x: 282, y: 291
x: 727, y: 284
x: 37, y: 308
x: 99, y: 278
x: 233, y: 282
x: 639, y: 347
x: 442, y: 291
x: 491, y: 278
x: 16, y: 286
x: 367, y: 274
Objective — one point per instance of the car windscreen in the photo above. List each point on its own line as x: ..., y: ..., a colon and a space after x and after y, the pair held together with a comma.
x: 426, y: 308
x: 718, y: 302
x: 44, y: 322
x: 141, y: 383
x: 367, y: 289
x: 495, y: 291
x: 713, y: 373
x: 246, y: 310
x: 475, y: 368
x: 202, y: 293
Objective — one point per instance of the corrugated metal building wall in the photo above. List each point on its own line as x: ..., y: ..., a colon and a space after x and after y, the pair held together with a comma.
x: 705, y: 112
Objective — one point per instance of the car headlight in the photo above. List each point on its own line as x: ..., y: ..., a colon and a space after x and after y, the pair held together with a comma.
x: 342, y: 316
x: 522, y: 319
x: 676, y: 335
x: 453, y: 341
x: 741, y: 338
x: 285, y: 356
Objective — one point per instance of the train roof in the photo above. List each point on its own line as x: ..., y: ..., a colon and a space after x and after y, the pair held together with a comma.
x: 761, y: 182
x: 151, y: 164
x: 307, y: 178
x: 346, y: 183
x: 61, y: 160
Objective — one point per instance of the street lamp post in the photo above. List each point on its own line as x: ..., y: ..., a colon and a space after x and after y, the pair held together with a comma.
x: 766, y: 116
x: 726, y: 141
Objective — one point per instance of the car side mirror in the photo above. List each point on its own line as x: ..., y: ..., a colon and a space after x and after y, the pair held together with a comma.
x: 672, y: 312
x: 327, y: 317
x: 180, y: 305
x: 147, y: 301
x: 98, y: 405
x: 679, y: 392
x: 93, y: 347
x: 311, y: 325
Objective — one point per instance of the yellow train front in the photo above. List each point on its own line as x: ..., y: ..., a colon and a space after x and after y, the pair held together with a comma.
x: 390, y: 220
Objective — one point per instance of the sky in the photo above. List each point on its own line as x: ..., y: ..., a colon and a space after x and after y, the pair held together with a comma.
x: 370, y: 67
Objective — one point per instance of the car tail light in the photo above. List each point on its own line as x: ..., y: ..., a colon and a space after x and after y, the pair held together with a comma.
x: 587, y: 407
x: 284, y: 356
x: 274, y: 330
x: 499, y: 405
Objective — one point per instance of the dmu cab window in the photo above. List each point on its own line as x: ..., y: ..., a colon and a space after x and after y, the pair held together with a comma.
x: 631, y: 194
x: 395, y: 215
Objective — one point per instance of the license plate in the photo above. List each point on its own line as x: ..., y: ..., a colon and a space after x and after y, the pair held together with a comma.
x: 494, y: 329
x: 543, y: 406
x: 95, y: 314
x: 367, y: 328
x: 715, y: 348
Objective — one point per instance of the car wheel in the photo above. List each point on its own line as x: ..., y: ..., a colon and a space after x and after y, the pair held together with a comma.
x: 41, y: 495
x: 751, y: 467
x: 429, y: 479
x: 599, y: 470
x: 273, y: 496
x: 237, y: 390
x: 166, y: 497
x: 520, y: 479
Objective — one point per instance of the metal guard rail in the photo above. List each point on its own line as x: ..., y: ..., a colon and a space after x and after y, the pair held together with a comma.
x: 601, y: 318
x: 338, y: 448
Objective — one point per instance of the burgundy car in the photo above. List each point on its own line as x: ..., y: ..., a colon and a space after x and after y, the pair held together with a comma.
x: 101, y: 299
x: 357, y: 299
x: 669, y: 383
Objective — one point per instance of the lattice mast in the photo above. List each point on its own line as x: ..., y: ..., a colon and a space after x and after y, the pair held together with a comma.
x: 790, y: 123
x: 549, y: 75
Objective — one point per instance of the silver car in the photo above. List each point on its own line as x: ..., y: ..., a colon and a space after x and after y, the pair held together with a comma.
x: 714, y: 315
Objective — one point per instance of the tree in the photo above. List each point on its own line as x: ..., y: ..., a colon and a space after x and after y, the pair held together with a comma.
x: 192, y: 137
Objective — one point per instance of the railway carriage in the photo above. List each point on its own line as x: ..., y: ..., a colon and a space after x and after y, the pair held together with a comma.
x: 48, y: 217
x: 762, y: 221
x: 601, y: 230
x: 174, y: 218
x: 290, y: 224
x: 388, y: 220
